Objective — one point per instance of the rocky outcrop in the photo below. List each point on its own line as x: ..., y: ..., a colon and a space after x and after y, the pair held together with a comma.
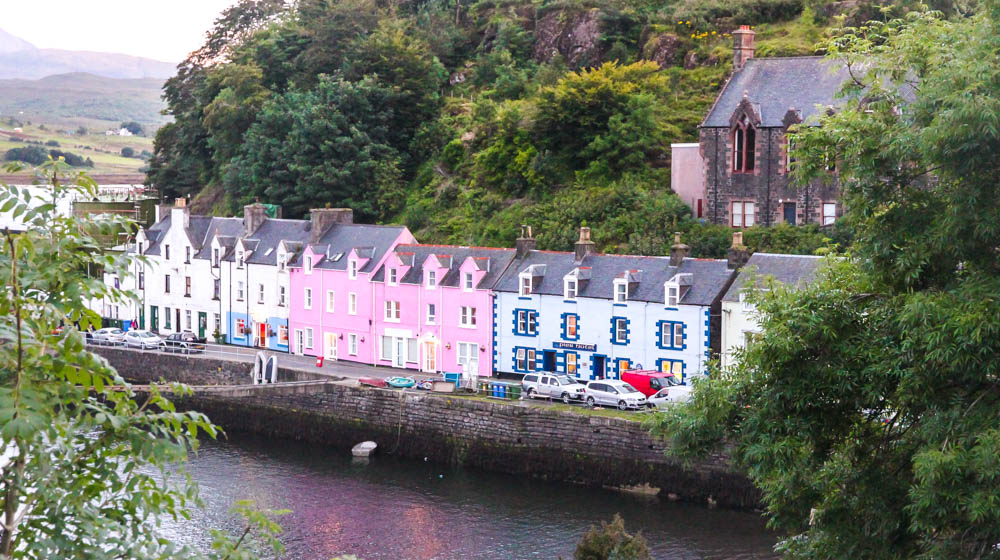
x: 665, y: 49
x: 575, y: 35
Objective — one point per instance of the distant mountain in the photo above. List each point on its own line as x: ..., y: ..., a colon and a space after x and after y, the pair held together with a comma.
x: 10, y: 43
x: 20, y: 59
x: 83, y: 96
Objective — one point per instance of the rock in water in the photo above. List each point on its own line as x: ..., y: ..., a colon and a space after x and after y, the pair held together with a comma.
x: 364, y: 449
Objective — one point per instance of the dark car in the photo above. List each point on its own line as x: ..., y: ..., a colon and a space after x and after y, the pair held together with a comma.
x: 185, y: 342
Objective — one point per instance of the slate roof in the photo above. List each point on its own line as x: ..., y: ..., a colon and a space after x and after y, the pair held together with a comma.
x: 370, y: 240
x: 452, y: 256
x: 155, y: 234
x: 709, y: 276
x: 226, y: 228
x: 264, y: 241
x: 775, y: 85
x: 795, y: 270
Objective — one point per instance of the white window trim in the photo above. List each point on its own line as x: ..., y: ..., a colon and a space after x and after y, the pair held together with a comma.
x: 309, y: 338
x: 330, y: 301
x: 462, y: 322
x: 623, y: 330
x: 671, y: 299
x: 431, y: 317
x: 472, y: 350
x: 392, y: 311
x: 619, y: 296
x: 431, y: 279
x: 829, y: 218
x: 524, y: 288
x: 307, y: 264
x: 570, y: 288
x: 307, y: 299
x: 352, y: 269
x: 392, y: 277
x: 468, y: 282
x: 352, y: 341
x: 352, y: 303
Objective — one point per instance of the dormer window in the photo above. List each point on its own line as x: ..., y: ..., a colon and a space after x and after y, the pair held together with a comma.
x: 392, y: 277
x: 215, y: 257
x: 239, y: 259
x: 467, y: 283
x: 673, y: 295
x: 281, y: 262
x: 431, y: 278
x: 525, y: 285
x: 570, y: 288
x: 307, y: 264
x: 352, y: 269
x: 744, y: 145
x: 621, y: 291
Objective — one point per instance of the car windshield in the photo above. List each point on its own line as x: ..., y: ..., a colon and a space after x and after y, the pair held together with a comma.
x: 671, y: 381
x: 116, y: 331
x: 147, y: 335
x: 626, y: 388
x: 565, y: 381
x: 663, y: 392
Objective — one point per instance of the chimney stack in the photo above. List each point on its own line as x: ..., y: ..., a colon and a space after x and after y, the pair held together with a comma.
x: 320, y: 220
x: 742, y: 46
x: 253, y: 216
x: 738, y: 253
x: 584, y: 246
x: 180, y: 214
x: 524, y: 243
x: 678, y: 251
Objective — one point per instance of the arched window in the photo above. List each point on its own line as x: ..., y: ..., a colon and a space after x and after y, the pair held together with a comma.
x: 744, y: 143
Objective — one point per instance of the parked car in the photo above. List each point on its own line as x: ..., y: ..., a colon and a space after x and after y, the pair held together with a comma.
x: 185, y: 342
x: 650, y: 382
x: 109, y: 335
x: 668, y: 395
x: 142, y: 340
x: 610, y: 392
x: 552, y: 386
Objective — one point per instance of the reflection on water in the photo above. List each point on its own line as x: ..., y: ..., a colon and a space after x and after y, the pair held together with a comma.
x: 392, y: 509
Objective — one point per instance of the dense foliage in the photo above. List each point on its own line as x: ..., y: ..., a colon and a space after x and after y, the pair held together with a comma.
x: 466, y: 119
x: 37, y: 155
x: 611, y: 542
x: 867, y: 410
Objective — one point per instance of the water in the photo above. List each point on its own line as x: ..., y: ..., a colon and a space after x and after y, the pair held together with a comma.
x: 391, y: 509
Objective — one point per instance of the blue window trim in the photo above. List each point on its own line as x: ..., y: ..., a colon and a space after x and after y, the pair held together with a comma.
x: 514, y: 360
x: 661, y: 325
x: 619, y: 305
x: 628, y: 331
x: 661, y: 361
x: 516, y: 332
x: 593, y: 365
x: 617, y: 360
x: 564, y: 327
x: 565, y: 361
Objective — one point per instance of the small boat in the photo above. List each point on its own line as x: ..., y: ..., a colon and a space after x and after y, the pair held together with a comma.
x: 372, y: 381
x: 271, y: 370
x: 401, y: 382
x: 426, y: 384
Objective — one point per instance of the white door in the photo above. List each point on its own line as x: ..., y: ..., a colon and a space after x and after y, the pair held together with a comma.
x: 430, y: 357
x: 331, y: 346
x: 299, y: 344
x: 399, y: 358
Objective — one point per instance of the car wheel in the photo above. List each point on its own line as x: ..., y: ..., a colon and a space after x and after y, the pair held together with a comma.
x: 622, y: 405
x: 590, y: 401
x: 531, y: 393
x: 565, y: 398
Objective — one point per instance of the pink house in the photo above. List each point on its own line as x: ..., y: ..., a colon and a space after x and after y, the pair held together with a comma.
x: 332, y: 300
x: 434, y: 308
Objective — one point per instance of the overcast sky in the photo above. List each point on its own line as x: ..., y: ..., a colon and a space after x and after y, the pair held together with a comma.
x: 161, y: 29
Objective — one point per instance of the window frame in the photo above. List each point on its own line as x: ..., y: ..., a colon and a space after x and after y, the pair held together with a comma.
x: 744, y: 139
x: 829, y: 219
x: 331, y: 301
x: 431, y: 313
x: 620, y: 291
x: 307, y: 298
x: 467, y: 316
x: 621, y: 330
x: 352, y: 303
x: 570, y: 288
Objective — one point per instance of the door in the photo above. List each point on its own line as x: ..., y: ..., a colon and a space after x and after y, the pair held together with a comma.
x: 177, y: 315
x: 299, y: 344
x: 400, y: 353
x: 330, y: 346
x: 154, y: 318
x: 789, y: 212
x: 430, y: 357
x: 598, y: 367
x: 261, y: 334
x: 142, y: 317
x: 549, y: 360
x: 202, y: 323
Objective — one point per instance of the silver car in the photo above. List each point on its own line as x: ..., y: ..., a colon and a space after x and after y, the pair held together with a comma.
x: 109, y: 335
x: 143, y: 340
x: 610, y: 392
x: 552, y: 386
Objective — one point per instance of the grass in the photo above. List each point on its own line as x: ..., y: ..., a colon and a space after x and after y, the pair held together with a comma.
x: 104, y: 151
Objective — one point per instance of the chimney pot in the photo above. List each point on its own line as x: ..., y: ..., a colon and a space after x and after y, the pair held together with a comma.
x: 743, y: 46
x: 584, y: 246
x: 253, y: 217
x: 180, y: 202
x: 524, y: 243
x: 739, y: 254
x: 678, y: 251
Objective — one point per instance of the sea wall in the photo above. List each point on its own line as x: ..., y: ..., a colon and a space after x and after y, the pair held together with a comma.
x: 514, y: 438
x: 196, y: 369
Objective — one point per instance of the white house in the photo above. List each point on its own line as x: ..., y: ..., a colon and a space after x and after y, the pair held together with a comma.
x: 739, y: 317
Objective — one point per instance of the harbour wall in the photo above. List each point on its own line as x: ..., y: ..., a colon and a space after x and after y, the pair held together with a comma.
x: 536, y: 441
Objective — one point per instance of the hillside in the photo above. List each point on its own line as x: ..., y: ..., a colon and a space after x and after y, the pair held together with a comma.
x: 464, y: 121
x: 21, y: 60
x: 10, y: 43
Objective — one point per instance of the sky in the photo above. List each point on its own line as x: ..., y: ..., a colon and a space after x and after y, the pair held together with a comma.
x: 164, y: 30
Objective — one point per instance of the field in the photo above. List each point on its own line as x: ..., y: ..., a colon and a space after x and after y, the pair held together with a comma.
x: 105, y: 151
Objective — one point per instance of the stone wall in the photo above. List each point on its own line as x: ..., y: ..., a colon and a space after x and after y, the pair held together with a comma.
x: 196, y: 369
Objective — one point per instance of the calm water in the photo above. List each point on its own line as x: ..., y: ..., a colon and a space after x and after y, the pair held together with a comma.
x: 393, y: 510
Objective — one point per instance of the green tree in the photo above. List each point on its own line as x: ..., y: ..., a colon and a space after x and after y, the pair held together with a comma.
x: 128, y: 152
x: 133, y: 127
x: 866, y: 411
x: 611, y: 542
x: 326, y: 145
x: 86, y: 463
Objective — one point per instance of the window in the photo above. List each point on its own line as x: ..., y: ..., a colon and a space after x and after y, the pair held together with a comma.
x: 621, y: 291
x: 142, y: 280
x: 672, y: 335
x: 744, y: 144
x: 392, y: 311
x: 187, y: 255
x: 467, y: 281
x: 352, y: 344
x: 309, y: 337
x: 623, y: 365
x: 385, y: 352
x: 239, y: 259
x: 392, y: 276
x: 166, y: 283
x: 743, y: 214
x: 789, y: 158
x: 215, y: 257
x: 187, y: 320
x: 675, y: 367
x: 411, y: 350
x: 139, y: 248
x: 829, y: 213
x: 569, y: 288
x: 307, y: 298
x: 431, y: 313
x: 283, y: 335
x: 467, y: 352
x: 260, y: 293
x: 216, y: 288
x: 241, y: 327
x: 525, y: 359
x: 166, y: 320
x: 570, y: 331
x: 525, y: 286
x: 187, y: 286
x: 673, y: 295
x: 330, y: 300
x: 307, y: 264
x: 431, y: 278
x: 281, y: 296
x: 352, y: 303
x: 468, y: 317
x: 526, y: 322
x: 352, y: 269
x: 620, y: 330
x: 571, y: 363
x: 239, y: 290
x: 166, y: 252
x: 282, y: 262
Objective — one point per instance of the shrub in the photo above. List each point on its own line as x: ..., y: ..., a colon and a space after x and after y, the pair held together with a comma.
x: 611, y: 542
x: 52, y: 143
x: 128, y: 152
x: 32, y: 155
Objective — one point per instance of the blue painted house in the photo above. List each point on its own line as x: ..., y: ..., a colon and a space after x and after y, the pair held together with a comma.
x: 594, y: 316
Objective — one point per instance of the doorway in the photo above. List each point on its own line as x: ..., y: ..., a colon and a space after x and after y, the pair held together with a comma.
x: 788, y: 211
x: 299, y: 344
x: 331, y: 346
x: 177, y: 315
x: 430, y: 357
x: 202, y: 323
x: 398, y: 358
x: 599, y: 363
x: 154, y: 318
x: 262, y: 334
x: 549, y: 360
